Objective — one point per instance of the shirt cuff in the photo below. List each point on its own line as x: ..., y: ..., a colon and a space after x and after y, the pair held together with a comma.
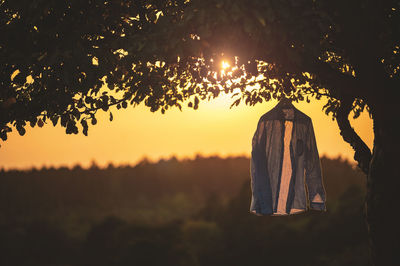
x: 319, y: 206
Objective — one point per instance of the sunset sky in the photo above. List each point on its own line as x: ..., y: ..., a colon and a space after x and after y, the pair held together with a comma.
x: 213, y: 129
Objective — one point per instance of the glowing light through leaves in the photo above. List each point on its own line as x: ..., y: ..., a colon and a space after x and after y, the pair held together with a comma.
x: 225, y: 65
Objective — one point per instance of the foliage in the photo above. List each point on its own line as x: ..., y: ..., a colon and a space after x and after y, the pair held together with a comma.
x: 56, y: 56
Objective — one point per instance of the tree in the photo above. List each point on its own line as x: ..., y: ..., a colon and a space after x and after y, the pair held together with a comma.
x: 56, y: 55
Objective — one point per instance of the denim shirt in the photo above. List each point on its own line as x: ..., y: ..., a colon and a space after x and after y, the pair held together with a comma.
x: 285, y: 168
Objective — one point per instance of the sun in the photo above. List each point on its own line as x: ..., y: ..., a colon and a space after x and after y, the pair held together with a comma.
x: 225, y: 64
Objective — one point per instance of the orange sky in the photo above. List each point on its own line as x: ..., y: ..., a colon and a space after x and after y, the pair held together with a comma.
x: 137, y: 132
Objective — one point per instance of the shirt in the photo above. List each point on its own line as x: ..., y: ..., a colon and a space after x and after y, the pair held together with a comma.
x: 285, y: 169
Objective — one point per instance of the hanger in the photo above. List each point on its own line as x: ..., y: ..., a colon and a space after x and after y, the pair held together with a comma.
x: 285, y: 102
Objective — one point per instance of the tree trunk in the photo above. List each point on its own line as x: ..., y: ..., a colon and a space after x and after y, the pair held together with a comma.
x: 383, y: 189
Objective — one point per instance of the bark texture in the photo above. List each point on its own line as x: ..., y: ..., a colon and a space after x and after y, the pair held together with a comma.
x: 383, y: 177
x: 383, y: 188
x: 362, y: 154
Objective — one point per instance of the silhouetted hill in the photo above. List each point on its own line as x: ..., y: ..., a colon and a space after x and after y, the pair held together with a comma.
x: 187, y: 212
x: 148, y: 191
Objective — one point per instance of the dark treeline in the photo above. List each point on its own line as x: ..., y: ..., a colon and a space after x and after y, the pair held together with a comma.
x: 149, y: 192
x: 187, y: 212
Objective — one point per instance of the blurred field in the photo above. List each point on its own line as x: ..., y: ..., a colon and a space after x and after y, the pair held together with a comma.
x: 187, y: 212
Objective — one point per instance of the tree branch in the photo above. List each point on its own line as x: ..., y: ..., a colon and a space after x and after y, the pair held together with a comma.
x: 336, y: 80
x: 362, y: 153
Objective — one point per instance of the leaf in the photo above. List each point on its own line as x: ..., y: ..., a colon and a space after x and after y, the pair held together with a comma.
x: 75, y: 129
x: 64, y: 120
x: 40, y: 123
x: 70, y: 127
x: 196, y: 103
x: 76, y: 113
x: 33, y: 122
x: 3, y: 135
x: 94, y: 121
x: 85, y: 127
x: 236, y: 102
x: 21, y: 131
x: 84, y: 123
x: 80, y: 103
x: 54, y: 120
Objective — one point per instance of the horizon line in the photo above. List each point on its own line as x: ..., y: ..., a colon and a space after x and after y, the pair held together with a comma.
x: 144, y: 159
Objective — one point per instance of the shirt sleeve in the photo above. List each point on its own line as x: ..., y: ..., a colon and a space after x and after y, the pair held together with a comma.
x: 313, y: 173
x: 260, y: 184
